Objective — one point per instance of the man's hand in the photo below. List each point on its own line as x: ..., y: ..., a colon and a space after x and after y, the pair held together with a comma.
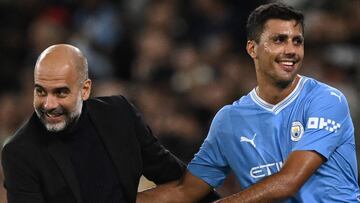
x: 189, y: 189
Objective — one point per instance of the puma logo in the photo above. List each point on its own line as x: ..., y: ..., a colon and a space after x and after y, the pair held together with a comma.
x: 336, y: 95
x: 251, y: 141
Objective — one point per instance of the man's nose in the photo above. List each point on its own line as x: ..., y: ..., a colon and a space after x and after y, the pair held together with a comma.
x: 50, y: 102
x: 290, y: 48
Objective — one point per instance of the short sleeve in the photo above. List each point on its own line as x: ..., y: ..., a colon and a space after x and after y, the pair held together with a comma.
x: 328, y: 123
x: 210, y: 164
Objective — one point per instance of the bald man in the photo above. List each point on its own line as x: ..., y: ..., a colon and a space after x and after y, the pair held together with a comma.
x: 76, y: 149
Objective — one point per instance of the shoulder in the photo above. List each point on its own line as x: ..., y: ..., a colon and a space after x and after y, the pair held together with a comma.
x: 27, y: 134
x: 224, y: 112
x: 108, y: 100
x: 222, y: 121
x: 322, y: 97
x: 25, y: 141
x: 236, y: 108
x: 117, y: 108
x: 317, y: 89
x: 109, y: 104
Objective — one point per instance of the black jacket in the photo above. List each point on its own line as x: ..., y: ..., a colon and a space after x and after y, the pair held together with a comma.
x: 38, y: 169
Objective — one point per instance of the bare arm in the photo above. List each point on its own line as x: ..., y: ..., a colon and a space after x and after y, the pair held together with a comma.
x: 189, y: 189
x: 284, y: 184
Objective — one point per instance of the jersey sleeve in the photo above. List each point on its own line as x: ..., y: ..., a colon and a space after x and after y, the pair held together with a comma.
x: 328, y: 123
x: 210, y: 164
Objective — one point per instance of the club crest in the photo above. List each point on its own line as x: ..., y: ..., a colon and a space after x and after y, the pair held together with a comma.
x: 297, y: 131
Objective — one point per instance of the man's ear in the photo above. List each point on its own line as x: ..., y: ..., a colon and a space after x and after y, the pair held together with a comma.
x: 251, y: 48
x: 86, y: 89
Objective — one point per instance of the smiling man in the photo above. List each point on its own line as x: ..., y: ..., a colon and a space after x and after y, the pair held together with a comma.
x: 60, y: 87
x: 291, y: 139
x: 80, y: 149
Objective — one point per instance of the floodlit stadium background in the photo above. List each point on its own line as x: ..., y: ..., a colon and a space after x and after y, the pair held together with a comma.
x: 179, y: 61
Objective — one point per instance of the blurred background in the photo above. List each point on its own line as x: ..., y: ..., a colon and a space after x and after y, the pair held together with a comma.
x: 178, y: 61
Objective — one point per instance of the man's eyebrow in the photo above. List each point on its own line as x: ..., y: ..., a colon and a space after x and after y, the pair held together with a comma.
x: 299, y: 37
x: 65, y: 88
x: 287, y: 36
x: 276, y: 35
x: 38, y: 86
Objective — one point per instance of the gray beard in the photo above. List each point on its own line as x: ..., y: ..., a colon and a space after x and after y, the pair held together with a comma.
x: 57, y: 127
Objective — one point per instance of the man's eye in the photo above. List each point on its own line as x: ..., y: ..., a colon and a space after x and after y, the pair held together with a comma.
x: 40, y: 92
x: 61, y: 94
x: 298, y: 41
x: 279, y: 39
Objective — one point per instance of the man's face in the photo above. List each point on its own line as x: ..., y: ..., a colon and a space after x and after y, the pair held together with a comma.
x: 57, y: 95
x: 278, y: 55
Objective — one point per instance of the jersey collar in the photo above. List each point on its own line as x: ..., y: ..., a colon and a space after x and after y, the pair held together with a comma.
x: 282, y: 104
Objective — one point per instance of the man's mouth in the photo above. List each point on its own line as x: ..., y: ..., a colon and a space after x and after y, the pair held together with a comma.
x: 287, y: 65
x: 53, y: 117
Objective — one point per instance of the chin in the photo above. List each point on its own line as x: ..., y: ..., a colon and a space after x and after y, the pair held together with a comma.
x: 286, y: 80
x: 57, y: 127
x: 284, y: 83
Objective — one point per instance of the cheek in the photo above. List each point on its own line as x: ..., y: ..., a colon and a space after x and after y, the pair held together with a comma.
x: 301, y: 53
x: 272, y: 51
x: 70, y: 104
x: 267, y: 48
x: 267, y: 52
x: 37, y: 102
x: 266, y: 57
x: 67, y: 105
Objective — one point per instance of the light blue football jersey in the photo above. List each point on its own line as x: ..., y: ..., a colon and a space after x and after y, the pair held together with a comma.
x: 254, y: 138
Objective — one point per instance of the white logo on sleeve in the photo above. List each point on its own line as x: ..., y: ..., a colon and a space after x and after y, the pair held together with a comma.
x: 322, y: 123
x: 251, y: 141
x: 336, y: 95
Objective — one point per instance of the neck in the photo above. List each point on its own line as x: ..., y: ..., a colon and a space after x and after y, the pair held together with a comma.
x: 274, y: 93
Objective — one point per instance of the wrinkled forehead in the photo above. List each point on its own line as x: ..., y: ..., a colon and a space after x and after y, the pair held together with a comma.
x: 52, y: 70
x: 54, y: 75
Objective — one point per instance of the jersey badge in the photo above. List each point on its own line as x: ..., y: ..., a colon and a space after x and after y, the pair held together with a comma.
x: 297, y: 131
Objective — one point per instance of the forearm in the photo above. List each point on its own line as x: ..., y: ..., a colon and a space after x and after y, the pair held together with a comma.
x: 271, y: 189
x: 284, y: 184
x: 189, y: 189
x: 170, y: 192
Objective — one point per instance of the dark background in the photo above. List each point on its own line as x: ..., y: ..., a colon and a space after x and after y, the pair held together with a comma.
x: 179, y: 61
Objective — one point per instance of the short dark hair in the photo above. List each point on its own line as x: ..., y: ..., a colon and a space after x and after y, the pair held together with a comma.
x: 257, y: 18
